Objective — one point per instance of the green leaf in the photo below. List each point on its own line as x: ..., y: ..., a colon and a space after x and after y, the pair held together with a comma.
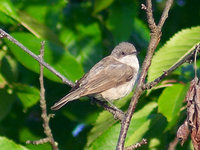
x: 173, y: 50
x: 170, y: 101
x: 100, y: 5
x: 140, y: 33
x: 7, y: 7
x: 120, y: 20
x: 6, y: 102
x: 90, y: 50
x: 28, y: 95
x: 2, y: 81
x: 86, y: 45
x: 7, y: 144
x: 57, y: 57
x: 9, y: 68
x: 38, y: 12
x: 140, y: 123
x: 4, y: 19
x: 108, y: 139
x: 39, y: 30
x: 103, y: 123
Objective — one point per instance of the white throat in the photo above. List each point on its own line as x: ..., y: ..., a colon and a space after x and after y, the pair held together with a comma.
x: 130, y: 60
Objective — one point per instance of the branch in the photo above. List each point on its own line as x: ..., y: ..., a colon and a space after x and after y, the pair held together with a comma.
x: 165, y: 13
x: 182, y: 60
x: 137, y: 145
x: 117, y: 113
x: 154, y: 40
x: 45, y: 117
x: 149, y: 13
x: 41, y: 61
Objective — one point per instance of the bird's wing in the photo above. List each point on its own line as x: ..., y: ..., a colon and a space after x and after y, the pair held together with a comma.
x: 106, y: 74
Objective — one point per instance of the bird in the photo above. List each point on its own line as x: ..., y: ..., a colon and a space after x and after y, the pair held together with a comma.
x: 110, y: 79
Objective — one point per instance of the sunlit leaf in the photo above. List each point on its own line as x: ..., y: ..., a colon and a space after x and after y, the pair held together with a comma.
x: 37, y: 12
x: 28, y: 95
x: 7, y: 144
x: 140, y: 123
x: 170, y: 101
x: 108, y: 139
x: 4, y: 19
x: 103, y: 123
x: 173, y: 50
x: 7, y: 7
x: 54, y: 55
x: 2, y: 81
x: 38, y: 29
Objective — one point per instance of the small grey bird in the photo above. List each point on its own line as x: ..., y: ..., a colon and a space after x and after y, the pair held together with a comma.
x: 111, y: 78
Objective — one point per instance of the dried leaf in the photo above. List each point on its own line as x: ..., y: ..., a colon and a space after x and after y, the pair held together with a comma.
x: 183, y: 132
x: 190, y: 102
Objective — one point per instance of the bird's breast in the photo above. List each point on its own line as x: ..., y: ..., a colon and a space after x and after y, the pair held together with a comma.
x: 117, y: 92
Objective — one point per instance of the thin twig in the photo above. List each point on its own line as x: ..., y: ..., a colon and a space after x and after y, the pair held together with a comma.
x: 154, y: 40
x: 45, y: 117
x: 37, y: 142
x: 137, y: 145
x: 9, y: 37
x: 195, y: 62
x: 184, y: 59
x: 165, y: 13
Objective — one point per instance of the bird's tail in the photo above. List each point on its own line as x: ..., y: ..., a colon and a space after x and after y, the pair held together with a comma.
x: 69, y: 97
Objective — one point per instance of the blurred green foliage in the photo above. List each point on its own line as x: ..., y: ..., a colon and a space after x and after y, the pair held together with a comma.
x: 78, y: 33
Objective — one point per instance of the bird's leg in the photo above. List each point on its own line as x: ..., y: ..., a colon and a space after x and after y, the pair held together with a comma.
x: 93, y: 100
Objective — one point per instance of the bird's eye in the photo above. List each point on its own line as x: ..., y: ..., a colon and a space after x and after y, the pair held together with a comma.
x: 123, y: 53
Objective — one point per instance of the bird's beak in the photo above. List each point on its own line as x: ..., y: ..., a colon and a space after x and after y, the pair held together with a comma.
x: 135, y: 53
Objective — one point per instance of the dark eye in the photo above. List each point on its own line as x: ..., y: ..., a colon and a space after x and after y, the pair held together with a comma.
x: 123, y: 53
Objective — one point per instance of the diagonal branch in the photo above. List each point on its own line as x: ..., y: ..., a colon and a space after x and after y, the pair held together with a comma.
x: 184, y: 59
x: 42, y: 62
x: 154, y: 40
